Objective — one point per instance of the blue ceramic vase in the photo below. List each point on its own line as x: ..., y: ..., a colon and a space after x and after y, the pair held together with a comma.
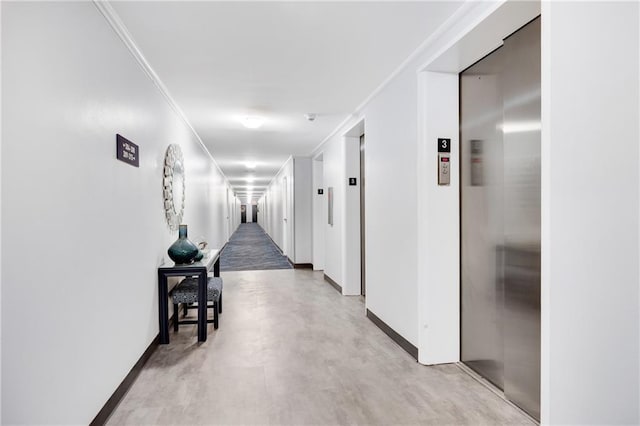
x: 183, y: 251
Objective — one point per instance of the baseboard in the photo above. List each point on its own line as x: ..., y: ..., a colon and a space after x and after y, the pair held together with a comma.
x: 333, y: 283
x: 303, y: 265
x: 300, y: 265
x: 401, y: 341
x: 112, y: 403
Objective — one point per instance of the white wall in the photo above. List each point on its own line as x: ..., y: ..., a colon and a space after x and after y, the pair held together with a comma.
x: 319, y: 215
x: 83, y: 233
x: 590, y: 111
x: 289, y: 190
x: 275, y: 215
x: 390, y: 215
x: 590, y: 294
x: 351, y: 213
x: 1, y: 343
x: 261, y: 216
x: 581, y: 109
x: 439, y: 223
x: 233, y: 212
x: 391, y: 219
x: 302, y: 210
x: 334, y: 175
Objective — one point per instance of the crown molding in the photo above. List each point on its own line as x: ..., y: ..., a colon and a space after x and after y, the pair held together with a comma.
x: 112, y: 17
x: 449, y: 24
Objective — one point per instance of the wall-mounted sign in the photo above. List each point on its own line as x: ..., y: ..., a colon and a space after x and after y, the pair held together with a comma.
x: 330, y: 205
x: 320, y: 191
x: 127, y: 151
x: 353, y: 181
x: 444, y: 145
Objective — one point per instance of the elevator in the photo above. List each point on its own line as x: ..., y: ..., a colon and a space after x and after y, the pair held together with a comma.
x: 500, y: 217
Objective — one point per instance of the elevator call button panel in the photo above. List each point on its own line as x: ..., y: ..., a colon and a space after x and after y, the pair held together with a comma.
x: 444, y: 163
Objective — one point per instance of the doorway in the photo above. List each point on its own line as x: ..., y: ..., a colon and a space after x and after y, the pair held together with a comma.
x: 363, y: 282
x: 243, y: 213
x: 254, y: 213
x: 500, y: 217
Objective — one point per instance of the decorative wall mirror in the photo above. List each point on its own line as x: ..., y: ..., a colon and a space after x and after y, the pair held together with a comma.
x: 174, y: 187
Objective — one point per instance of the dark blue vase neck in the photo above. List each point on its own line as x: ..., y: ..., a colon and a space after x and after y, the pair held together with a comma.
x: 182, y: 231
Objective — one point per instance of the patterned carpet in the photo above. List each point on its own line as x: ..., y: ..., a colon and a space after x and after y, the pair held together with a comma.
x: 251, y: 249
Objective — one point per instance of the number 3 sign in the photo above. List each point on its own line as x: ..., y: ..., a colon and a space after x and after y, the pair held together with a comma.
x: 444, y: 145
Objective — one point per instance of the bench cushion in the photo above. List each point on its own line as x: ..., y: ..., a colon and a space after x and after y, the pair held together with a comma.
x: 187, y: 290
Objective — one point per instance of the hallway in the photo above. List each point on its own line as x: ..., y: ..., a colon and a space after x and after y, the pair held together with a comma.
x: 291, y: 350
x: 250, y: 249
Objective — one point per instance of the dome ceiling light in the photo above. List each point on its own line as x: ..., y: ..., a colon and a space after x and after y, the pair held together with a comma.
x: 252, y: 121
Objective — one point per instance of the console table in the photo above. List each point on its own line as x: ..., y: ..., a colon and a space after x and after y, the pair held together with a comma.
x: 198, y: 269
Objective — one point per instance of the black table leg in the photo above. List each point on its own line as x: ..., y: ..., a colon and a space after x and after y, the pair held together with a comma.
x: 216, y: 268
x: 202, y: 306
x: 163, y: 308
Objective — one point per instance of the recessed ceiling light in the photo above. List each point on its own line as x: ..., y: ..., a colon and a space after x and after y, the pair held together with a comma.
x: 252, y: 121
x: 250, y: 165
x: 250, y: 179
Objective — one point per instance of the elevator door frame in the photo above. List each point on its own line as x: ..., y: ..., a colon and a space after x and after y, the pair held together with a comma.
x: 518, y: 390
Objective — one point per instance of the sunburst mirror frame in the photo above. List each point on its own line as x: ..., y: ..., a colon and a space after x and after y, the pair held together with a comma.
x: 173, y: 196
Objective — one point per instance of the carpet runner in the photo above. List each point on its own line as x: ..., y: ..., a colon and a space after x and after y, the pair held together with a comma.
x: 249, y: 249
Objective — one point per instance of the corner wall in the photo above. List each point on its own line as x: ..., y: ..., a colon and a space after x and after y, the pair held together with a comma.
x: 439, y: 230
x: 285, y: 210
x: 590, y: 200
x: 590, y: 290
x: 273, y: 201
x: 333, y: 177
x: 302, y: 193
x: 319, y: 215
x: 83, y: 233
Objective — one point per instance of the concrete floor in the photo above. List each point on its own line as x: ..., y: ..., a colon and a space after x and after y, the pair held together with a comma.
x: 291, y: 350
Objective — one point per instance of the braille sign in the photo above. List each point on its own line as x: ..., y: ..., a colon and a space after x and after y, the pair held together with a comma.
x: 444, y: 145
x: 127, y: 151
x: 353, y: 182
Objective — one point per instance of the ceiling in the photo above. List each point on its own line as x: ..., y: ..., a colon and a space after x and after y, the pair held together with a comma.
x: 222, y: 61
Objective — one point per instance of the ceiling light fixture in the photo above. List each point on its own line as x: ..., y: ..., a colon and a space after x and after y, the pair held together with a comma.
x: 252, y: 121
x: 250, y: 179
x: 250, y: 165
x: 310, y: 116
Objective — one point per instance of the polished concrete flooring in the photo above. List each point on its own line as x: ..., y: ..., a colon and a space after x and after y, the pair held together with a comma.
x: 291, y: 350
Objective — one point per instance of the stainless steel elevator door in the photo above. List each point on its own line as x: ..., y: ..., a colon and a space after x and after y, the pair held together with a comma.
x: 500, y: 217
x: 521, y: 255
x: 481, y: 217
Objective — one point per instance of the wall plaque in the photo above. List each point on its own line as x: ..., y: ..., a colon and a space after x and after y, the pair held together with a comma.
x: 127, y: 151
